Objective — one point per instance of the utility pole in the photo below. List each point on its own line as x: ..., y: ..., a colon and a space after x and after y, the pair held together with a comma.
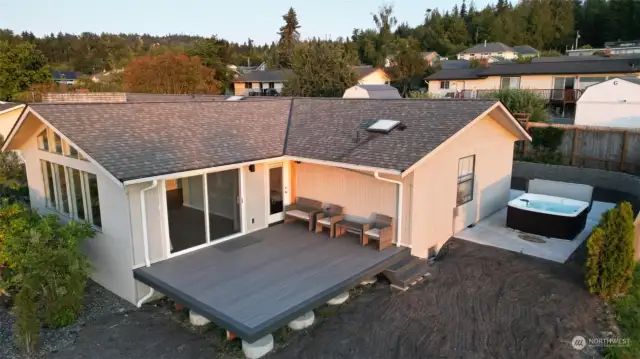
x: 577, y: 37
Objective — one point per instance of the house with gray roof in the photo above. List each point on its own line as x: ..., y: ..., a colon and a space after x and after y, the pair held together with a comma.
x: 271, y: 82
x: 188, y: 198
x: 9, y: 113
x: 489, y: 50
x: 372, y: 91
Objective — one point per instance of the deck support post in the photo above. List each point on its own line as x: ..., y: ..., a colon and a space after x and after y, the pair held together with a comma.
x: 302, y: 322
x: 259, y: 348
x: 197, y: 320
x: 369, y: 281
x: 339, y: 299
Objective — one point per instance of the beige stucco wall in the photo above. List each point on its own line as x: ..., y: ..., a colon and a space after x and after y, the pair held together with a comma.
x: 7, y: 120
x: 435, y: 184
x: 110, y: 250
x: 360, y: 194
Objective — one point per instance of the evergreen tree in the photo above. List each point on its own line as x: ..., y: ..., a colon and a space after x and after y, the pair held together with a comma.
x: 289, y: 36
x: 463, y: 9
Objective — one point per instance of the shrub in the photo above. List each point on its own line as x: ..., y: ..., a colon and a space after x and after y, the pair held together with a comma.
x: 522, y: 101
x: 610, y: 259
x: 46, y: 270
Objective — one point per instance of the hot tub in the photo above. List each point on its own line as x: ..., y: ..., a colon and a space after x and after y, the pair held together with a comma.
x: 548, y: 216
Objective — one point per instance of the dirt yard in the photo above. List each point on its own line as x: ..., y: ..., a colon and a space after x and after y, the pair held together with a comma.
x: 479, y: 302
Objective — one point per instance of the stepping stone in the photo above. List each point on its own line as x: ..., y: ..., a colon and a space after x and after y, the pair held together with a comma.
x: 259, y: 348
x: 339, y: 299
x: 369, y: 281
x: 197, y: 320
x: 304, y: 321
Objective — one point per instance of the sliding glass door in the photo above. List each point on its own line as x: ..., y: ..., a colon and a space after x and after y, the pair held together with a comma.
x: 203, y: 209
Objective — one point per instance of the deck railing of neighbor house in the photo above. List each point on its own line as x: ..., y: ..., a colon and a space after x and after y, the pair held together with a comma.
x: 551, y: 95
x: 262, y: 92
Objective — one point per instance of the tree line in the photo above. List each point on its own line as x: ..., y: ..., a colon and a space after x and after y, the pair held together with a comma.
x: 543, y: 24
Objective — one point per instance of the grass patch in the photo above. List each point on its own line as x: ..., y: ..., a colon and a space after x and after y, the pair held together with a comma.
x: 627, y: 310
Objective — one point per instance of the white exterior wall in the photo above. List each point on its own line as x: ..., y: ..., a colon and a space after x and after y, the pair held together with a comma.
x: 374, y: 78
x: 7, y: 120
x: 508, y: 55
x: 435, y: 216
x: 110, y: 250
x: 613, y: 103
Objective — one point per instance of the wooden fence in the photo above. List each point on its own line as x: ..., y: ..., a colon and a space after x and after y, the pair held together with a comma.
x: 606, y: 148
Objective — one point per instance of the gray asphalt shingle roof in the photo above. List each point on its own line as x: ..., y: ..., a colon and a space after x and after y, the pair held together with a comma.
x: 488, y: 47
x: 540, y: 68
x: 135, y: 140
x: 281, y: 75
x: 7, y: 105
x: 327, y: 129
x: 525, y: 50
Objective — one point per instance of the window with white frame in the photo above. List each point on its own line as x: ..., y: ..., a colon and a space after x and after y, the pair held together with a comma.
x: 72, y: 192
x: 510, y: 82
x: 50, y: 141
x: 444, y: 85
x: 466, y: 175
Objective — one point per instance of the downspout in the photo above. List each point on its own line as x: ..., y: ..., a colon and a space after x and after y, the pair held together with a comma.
x: 399, y: 221
x: 145, y: 236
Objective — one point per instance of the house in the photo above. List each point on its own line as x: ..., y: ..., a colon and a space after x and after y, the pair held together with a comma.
x: 561, y: 81
x: 611, y: 103
x: 65, y: 77
x: 9, y: 113
x: 497, y: 50
x: 186, y: 197
x: 610, y: 47
x: 372, y: 91
x: 270, y: 82
x: 430, y: 57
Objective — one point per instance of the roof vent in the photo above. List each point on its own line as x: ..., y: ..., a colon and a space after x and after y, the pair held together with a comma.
x: 383, y: 126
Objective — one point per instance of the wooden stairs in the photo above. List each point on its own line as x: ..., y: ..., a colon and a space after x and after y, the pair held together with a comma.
x: 406, y: 272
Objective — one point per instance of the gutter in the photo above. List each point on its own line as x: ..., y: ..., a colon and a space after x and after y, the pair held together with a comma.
x: 399, y: 221
x: 145, y: 236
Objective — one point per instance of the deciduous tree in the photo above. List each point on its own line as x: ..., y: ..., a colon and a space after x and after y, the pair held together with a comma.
x: 21, y: 65
x: 408, y: 66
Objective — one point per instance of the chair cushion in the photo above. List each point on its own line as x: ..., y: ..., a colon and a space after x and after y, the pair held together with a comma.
x: 373, y: 232
x: 298, y: 214
x: 325, y: 221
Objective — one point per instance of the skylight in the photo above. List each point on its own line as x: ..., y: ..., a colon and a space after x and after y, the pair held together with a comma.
x: 384, y: 126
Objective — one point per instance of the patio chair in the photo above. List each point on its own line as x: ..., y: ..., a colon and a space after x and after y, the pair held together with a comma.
x: 303, y: 210
x: 330, y: 215
x: 381, y: 229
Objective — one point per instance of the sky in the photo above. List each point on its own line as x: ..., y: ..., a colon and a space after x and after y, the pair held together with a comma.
x: 231, y: 20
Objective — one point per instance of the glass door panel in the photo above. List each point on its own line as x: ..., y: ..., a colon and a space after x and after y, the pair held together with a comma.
x: 276, y: 193
x: 223, y: 194
x: 186, y: 212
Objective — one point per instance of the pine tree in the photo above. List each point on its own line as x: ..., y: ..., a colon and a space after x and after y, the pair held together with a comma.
x: 463, y: 9
x: 289, y: 36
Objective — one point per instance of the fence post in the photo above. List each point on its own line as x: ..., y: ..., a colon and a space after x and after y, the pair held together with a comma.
x: 623, y: 154
x: 574, y: 148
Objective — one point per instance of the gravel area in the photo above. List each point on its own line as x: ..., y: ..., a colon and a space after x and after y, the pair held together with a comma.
x: 479, y: 302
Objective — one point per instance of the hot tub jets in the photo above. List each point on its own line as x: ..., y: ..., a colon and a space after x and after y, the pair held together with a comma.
x: 548, y: 216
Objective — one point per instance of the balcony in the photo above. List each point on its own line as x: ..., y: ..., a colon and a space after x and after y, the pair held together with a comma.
x: 262, y: 92
x: 552, y: 96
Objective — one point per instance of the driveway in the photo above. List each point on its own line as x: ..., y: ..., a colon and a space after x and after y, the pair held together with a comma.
x: 479, y: 302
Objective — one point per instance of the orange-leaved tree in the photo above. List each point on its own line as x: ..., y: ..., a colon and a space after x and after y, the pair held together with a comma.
x: 169, y: 74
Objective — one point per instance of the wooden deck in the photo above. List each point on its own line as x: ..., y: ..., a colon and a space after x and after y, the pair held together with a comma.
x: 259, y: 282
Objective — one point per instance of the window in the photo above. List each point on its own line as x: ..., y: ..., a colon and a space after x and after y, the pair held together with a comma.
x: 510, y: 82
x: 586, y: 81
x: 466, y: 169
x: 272, y: 85
x: 247, y: 85
x: 43, y: 140
x: 72, y: 192
x: 444, y: 85
x: 57, y: 143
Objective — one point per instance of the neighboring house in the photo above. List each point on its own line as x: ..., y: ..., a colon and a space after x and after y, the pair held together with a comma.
x: 497, y: 50
x: 610, y: 47
x: 270, y: 82
x: 105, y: 75
x: 454, y: 64
x: 65, y: 77
x: 611, y: 103
x: 430, y: 57
x: 372, y: 91
x: 9, y: 113
x: 175, y: 188
x: 556, y: 81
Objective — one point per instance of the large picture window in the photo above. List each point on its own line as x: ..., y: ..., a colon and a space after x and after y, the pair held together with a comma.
x: 510, y: 82
x: 466, y: 175
x: 72, y: 192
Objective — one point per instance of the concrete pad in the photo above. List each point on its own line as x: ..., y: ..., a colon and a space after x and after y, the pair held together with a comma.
x: 302, y: 322
x: 339, y: 299
x: 259, y: 348
x: 492, y: 231
x: 369, y: 281
x: 197, y: 320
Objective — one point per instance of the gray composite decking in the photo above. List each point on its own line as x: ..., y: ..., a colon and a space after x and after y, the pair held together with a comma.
x: 257, y: 283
